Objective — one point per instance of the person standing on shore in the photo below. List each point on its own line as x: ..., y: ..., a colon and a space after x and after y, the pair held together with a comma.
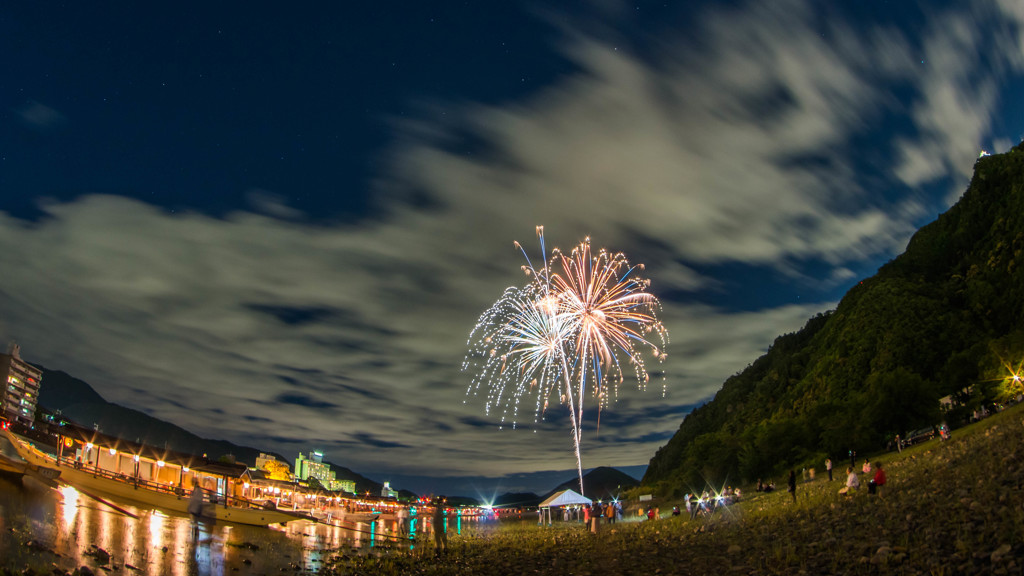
x: 609, y: 512
x: 195, y: 506
x: 195, y: 501
x: 402, y: 519
x: 440, y: 528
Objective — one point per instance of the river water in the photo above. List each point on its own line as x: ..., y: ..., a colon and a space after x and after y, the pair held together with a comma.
x: 43, y: 529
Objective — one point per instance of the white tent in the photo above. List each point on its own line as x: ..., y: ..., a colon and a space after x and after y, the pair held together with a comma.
x: 565, y: 498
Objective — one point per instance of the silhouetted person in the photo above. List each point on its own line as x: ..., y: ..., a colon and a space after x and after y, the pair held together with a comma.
x: 195, y: 501
x: 792, y: 484
x: 440, y: 530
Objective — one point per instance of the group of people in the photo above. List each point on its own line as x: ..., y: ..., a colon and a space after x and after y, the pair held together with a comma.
x: 877, y: 480
x: 610, y: 511
x: 875, y: 473
x: 706, y: 503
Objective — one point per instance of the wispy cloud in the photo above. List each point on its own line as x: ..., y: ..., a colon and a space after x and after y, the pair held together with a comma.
x: 39, y: 116
x: 964, y: 61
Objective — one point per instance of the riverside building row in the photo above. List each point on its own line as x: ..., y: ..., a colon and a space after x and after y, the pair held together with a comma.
x: 21, y: 394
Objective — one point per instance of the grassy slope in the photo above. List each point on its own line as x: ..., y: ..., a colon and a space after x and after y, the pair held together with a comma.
x: 953, y: 507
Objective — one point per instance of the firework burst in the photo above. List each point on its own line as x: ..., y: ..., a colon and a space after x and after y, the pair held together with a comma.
x: 582, y: 322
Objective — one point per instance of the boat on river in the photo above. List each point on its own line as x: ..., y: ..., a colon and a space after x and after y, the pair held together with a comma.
x: 13, y: 465
x: 97, y: 464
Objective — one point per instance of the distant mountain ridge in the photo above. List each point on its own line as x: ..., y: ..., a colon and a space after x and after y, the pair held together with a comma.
x: 78, y: 401
x: 945, y: 318
x: 601, y: 483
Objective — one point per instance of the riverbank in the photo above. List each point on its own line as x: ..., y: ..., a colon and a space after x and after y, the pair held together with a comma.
x: 52, y: 532
x: 950, y: 507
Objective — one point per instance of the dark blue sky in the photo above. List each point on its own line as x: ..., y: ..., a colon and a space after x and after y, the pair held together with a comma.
x: 190, y: 109
x: 296, y: 215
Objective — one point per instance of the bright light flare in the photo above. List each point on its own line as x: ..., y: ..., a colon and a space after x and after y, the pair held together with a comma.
x: 1014, y: 379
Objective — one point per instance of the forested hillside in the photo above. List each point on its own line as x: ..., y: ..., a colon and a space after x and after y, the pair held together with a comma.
x: 944, y: 318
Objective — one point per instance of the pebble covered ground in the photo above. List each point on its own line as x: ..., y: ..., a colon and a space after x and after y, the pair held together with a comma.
x: 950, y: 507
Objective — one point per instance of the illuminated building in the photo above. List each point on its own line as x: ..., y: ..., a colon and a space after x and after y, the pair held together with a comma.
x: 21, y: 387
x: 314, y: 467
x: 262, y: 459
x: 387, y: 492
x: 346, y: 485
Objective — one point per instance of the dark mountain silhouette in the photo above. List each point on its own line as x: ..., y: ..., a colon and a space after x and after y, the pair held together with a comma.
x: 517, y: 500
x: 601, y: 483
x: 944, y: 319
x: 80, y: 403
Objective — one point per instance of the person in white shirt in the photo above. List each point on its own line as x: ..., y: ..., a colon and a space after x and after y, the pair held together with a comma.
x: 852, y: 481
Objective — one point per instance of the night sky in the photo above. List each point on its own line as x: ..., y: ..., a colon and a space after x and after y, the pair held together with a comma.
x: 277, y: 225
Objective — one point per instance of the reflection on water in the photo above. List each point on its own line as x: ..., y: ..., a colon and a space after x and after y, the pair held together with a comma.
x: 44, y: 528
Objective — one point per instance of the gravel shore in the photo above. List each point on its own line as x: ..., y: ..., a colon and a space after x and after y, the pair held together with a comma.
x: 950, y: 507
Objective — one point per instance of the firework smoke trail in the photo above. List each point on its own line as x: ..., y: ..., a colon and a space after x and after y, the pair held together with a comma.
x: 565, y: 328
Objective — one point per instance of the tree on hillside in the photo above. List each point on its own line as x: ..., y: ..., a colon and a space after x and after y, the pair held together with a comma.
x: 900, y: 401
